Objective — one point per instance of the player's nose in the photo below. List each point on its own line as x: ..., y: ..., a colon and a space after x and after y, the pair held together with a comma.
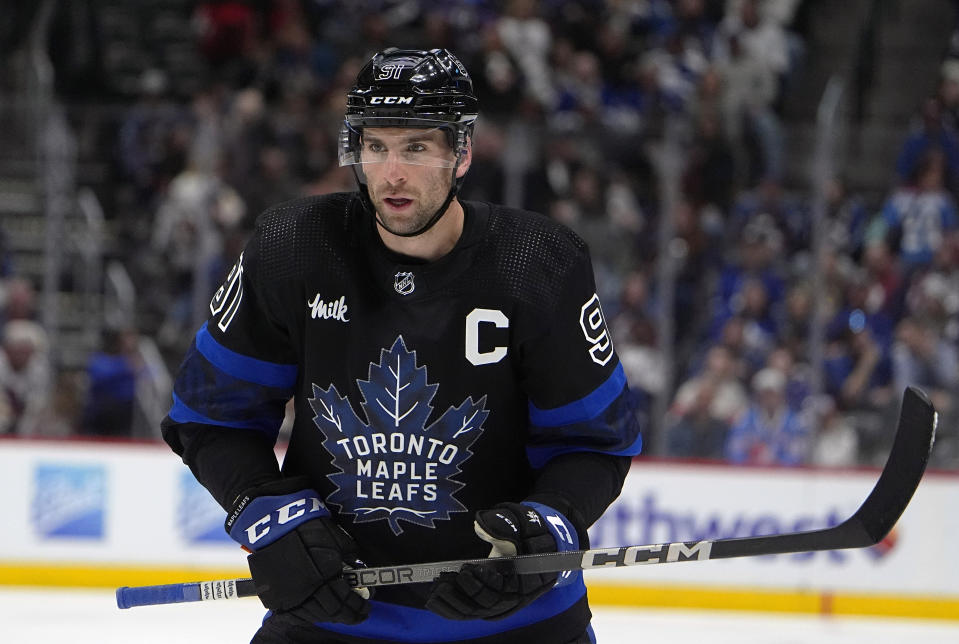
x: 394, y: 169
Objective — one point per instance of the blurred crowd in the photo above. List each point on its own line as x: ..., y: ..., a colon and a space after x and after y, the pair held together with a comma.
x: 38, y: 401
x: 576, y: 99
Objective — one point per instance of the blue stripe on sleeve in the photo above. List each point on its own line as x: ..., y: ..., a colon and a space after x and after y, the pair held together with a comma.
x: 260, y: 372
x: 587, y: 408
x: 180, y: 412
x: 540, y: 456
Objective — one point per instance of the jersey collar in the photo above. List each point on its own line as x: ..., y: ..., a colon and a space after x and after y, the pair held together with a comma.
x: 408, y: 278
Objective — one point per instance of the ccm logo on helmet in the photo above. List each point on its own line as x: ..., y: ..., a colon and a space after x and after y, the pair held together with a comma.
x: 391, y: 100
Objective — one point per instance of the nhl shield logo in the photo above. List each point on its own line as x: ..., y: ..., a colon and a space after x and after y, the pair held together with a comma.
x: 403, y: 283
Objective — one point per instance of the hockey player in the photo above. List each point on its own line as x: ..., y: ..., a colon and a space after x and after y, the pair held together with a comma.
x: 456, y: 392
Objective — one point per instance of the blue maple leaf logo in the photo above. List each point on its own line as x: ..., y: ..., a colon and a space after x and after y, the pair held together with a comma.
x: 394, y: 467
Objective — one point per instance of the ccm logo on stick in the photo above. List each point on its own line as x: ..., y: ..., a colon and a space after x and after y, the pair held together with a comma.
x: 641, y: 555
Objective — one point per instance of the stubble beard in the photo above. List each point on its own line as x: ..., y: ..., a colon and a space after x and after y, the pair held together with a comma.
x: 425, y: 204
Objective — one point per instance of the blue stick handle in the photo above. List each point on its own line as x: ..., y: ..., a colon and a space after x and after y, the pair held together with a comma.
x: 193, y: 591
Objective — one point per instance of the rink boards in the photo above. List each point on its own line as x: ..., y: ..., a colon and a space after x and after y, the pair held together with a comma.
x: 110, y: 514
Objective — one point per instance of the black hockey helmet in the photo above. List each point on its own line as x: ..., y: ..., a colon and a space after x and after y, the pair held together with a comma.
x: 410, y: 88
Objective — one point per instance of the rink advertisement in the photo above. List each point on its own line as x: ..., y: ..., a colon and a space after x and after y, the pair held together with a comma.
x: 101, y: 514
x: 912, y: 571
x: 111, y: 514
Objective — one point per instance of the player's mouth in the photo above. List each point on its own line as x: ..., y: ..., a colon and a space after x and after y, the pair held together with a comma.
x: 398, y: 203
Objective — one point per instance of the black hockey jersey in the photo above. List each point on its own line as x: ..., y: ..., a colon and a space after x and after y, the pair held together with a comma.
x: 423, y: 392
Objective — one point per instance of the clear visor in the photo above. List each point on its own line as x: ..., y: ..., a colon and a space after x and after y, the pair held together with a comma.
x: 383, y: 141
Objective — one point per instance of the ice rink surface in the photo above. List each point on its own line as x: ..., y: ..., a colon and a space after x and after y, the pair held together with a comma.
x: 32, y: 616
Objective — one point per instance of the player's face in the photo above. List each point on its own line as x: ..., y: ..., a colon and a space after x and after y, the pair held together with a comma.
x: 408, y: 174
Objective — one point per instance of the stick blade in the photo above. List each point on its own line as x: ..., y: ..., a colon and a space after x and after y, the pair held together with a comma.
x: 900, y: 477
x: 882, y: 508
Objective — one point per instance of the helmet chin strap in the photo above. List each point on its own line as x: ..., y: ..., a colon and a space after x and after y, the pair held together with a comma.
x: 368, y: 203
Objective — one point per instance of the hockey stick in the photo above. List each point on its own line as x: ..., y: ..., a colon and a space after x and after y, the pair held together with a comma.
x: 868, y: 526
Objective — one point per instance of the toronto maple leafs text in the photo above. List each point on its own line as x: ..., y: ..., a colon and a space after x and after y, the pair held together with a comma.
x: 397, y: 480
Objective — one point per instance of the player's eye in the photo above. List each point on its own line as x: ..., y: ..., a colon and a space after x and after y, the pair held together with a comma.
x: 416, y: 147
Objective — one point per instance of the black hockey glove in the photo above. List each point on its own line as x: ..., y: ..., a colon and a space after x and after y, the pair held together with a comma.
x: 486, y: 591
x: 298, y: 553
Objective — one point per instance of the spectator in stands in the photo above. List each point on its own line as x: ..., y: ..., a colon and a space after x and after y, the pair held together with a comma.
x: 930, y: 135
x: 581, y: 93
x: 19, y: 299
x: 856, y: 371
x: 696, y: 253
x: 528, y: 37
x: 705, y: 406
x: 643, y: 364
x: 774, y: 210
x: 586, y: 211
x: 750, y: 351
x: 756, y: 309
x: 498, y: 79
x: 710, y: 172
x: 723, y: 369
x: 750, y: 72
x: 858, y: 310
x: 152, y: 138
x: 698, y: 21
x: 847, y: 216
x: 755, y: 256
x: 635, y: 302
x: 697, y: 433
x: 616, y: 52
x: 934, y: 296
x: 917, y: 217
x: 58, y: 419
x: 769, y: 432
x: 25, y: 377
x: 759, y: 33
x: 922, y: 357
x: 112, y: 375
x: 884, y: 278
x: 835, y: 440
x: 796, y: 320
x: 680, y: 62
x: 799, y: 376
x: 246, y: 131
